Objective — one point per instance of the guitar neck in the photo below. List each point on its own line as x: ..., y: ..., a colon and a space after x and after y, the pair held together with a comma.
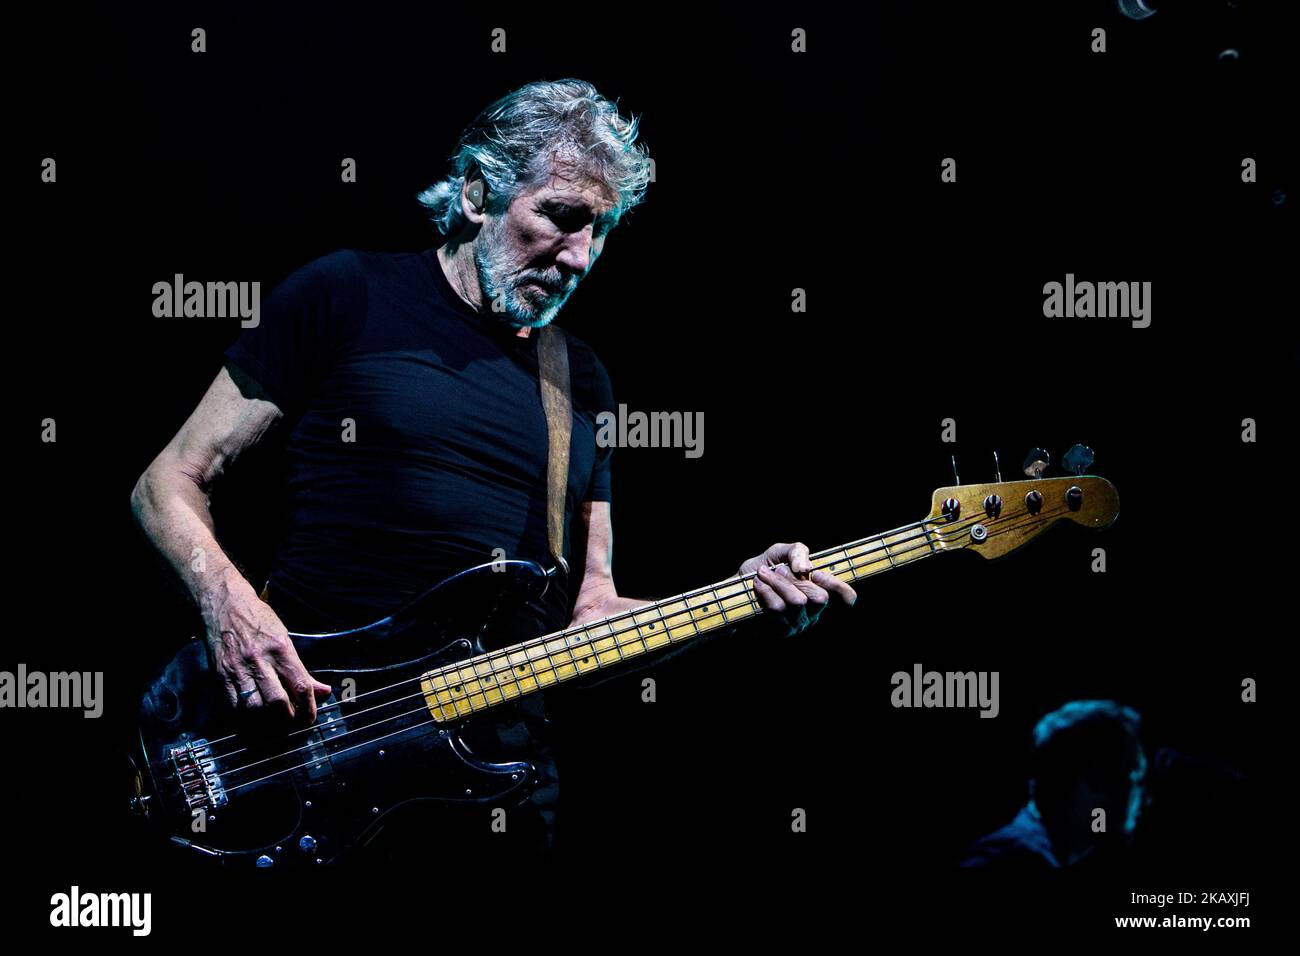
x: 487, y: 680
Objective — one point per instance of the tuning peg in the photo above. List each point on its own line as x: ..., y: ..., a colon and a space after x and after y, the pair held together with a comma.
x: 1036, y: 462
x: 997, y: 468
x: 955, y: 479
x: 1077, y: 460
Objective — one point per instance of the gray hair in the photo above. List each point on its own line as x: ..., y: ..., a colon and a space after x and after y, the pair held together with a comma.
x: 514, y: 143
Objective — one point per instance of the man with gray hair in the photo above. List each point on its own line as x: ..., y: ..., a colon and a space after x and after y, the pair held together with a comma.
x: 407, y: 388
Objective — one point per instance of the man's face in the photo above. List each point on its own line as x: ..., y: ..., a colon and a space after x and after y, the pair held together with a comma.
x: 534, y: 255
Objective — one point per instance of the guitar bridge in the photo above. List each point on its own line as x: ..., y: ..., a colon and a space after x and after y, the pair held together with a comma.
x: 196, y: 773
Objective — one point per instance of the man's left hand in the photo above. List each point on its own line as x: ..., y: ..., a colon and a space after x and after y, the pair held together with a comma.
x: 787, y: 585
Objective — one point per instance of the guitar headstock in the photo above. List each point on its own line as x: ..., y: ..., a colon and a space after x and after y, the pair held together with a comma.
x: 996, y: 518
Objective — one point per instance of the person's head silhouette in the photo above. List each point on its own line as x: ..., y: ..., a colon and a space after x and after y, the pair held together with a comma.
x: 1085, y: 790
x: 1087, y: 769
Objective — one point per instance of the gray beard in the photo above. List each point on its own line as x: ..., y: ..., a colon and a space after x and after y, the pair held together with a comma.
x: 489, y: 265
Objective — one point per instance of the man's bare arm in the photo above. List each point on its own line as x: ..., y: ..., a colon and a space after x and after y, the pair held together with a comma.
x: 250, y: 646
x: 597, y: 596
x: 170, y: 500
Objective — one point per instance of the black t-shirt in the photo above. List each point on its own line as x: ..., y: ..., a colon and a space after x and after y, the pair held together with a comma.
x: 417, y: 440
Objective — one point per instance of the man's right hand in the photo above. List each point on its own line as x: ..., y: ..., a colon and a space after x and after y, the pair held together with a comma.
x: 250, y: 650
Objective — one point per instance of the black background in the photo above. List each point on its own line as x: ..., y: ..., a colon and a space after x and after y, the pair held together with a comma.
x: 774, y: 171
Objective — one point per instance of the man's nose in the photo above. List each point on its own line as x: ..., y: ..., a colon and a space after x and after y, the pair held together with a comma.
x: 577, y: 254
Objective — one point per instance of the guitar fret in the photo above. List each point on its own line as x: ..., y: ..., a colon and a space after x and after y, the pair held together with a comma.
x: 925, y: 529
x: 884, y: 540
x: 654, y: 608
x: 591, y: 645
x: 721, y: 607
x: 618, y: 644
x: 845, y: 560
x: 530, y: 659
x: 690, y: 616
x: 585, y: 639
x: 750, y: 594
x: 569, y: 663
x: 614, y: 637
x: 667, y: 631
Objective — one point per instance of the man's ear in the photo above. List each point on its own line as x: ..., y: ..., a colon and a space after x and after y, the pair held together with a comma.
x: 474, y: 196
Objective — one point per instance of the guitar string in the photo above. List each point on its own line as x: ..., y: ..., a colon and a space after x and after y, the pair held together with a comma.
x: 685, y: 596
x: 509, y: 670
x: 366, y: 743
x: 455, y: 701
x: 442, y: 705
x: 524, y: 646
x: 335, y: 753
x: 411, y: 727
x: 501, y: 655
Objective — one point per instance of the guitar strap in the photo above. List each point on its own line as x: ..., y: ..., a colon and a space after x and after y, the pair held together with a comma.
x: 557, y: 402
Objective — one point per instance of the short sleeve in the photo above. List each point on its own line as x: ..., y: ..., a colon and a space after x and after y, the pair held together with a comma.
x: 601, y: 400
x: 302, y: 328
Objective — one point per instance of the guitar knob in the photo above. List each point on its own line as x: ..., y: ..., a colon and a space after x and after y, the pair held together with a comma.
x: 1034, y: 502
x: 992, y: 506
x: 1036, y: 462
x: 1077, y: 460
x: 951, y: 509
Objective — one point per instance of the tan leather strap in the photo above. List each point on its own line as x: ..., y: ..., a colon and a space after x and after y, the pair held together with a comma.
x: 557, y: 402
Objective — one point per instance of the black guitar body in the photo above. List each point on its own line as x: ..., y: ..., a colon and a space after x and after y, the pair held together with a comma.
x: 315, y: 793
